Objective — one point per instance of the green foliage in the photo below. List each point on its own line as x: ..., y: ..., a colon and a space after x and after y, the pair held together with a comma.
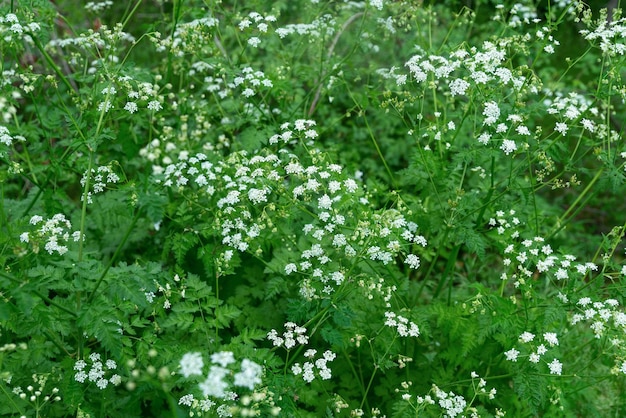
x: 311, y: 209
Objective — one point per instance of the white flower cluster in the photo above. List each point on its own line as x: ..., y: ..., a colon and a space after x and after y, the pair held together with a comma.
x: 97, y: 7
x: 250, y: 81
x: 101, y: 177
x: 309, y: 369
x: 251, y: 194
x: 528, y: 257
x: 604, y: 318
x: 189, y: 37
x: 108, y: 41
x: 54, y: 231
x: 325, y: 25
x: 293, y: 334
x: 7, y: 107
x: 608, y: 36
x: 12, y: 30
x: 403, y: 326
x: 258, y: 22
x: 451, y: 403
x: 522, y: 14
x: 220, y: 377
x: 97, y: 371
x: 35, y: 393
x: 7, y: 139
x: 463, y: 71
x: 537, y: 351
x: 570, y: 109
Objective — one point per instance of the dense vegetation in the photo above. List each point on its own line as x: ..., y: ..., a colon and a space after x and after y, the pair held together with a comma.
x: 312, y: 208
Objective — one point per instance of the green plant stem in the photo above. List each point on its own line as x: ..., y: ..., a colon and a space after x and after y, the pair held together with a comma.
x: 8, y: 396
x: 563, y: 219
x: 380, y: 154
x: 118, y: 250
x: 448, y: 269
x: 52, y: 64
x: 83, y: 212
x: 39, y: 294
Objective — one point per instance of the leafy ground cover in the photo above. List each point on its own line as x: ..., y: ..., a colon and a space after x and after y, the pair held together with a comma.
x: 312, y: 208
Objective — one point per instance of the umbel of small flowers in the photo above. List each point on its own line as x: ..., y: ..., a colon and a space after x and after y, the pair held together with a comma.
x: 450, y: 404
x: 55, y: 232
x: 536, y: 351
x: 255, y: 192
x: 295, y: 335
x: 222, y: 381
x: 95, y: 371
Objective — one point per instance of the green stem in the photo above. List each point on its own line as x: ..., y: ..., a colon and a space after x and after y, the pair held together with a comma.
x: 118, y: 250
x: 380, y: 154
x: 563, y: 221
x: 52, y: 64
x: 39, y: 294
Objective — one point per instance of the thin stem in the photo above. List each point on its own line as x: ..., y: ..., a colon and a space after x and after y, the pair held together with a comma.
x: 329, y: 54
x: 118, y: 250
x: 39, y: 294
x: 563, y: 221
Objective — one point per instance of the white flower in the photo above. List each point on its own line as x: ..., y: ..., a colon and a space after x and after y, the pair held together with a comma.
x: 526, y: 337
x: 458, y: 87
x: 561, y: 128
x: 511, y: 355
x: 508, y: 146
x: 556, y: 367
x: 377, y: 4
x: 290, y: 268
x: 191, y: 364
x: 412, y: 261
x: 249, y: 375
x: 551, y: 338
x: 155, y: 105
x: 223, y: 358
x: 130, y: 107
x: 324, y: 202
x: 254, y: 42
x: 214, y: 384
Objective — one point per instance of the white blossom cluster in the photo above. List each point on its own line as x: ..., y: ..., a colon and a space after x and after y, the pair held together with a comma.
x: 294, y: 334
x: 403, y: 326
x: 14, y: 31
x: 105, y: 43
x: 325, y: 25
x: 573, y: 108
x: 608, y: 36
x: 450, y: 404
x: 221, y: 381
x: 102, y: 374
x: 522, y: 14
x: 250, y: 192
x: 250, y: 81
x: 464, y: 71
x: 7, y: 139
x: 314, y: 367
x: 527, y: 257
x: 606, y: 319
x: 98, y: 7
x: 256, y: 22
x: 55, y: 232
x: 99, y: 179
x: 35, y: 393
x: 536, y: 351
x: 189, y: 37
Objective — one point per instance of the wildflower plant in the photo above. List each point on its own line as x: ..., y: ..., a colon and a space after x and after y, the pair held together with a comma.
x: 311, y: 208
